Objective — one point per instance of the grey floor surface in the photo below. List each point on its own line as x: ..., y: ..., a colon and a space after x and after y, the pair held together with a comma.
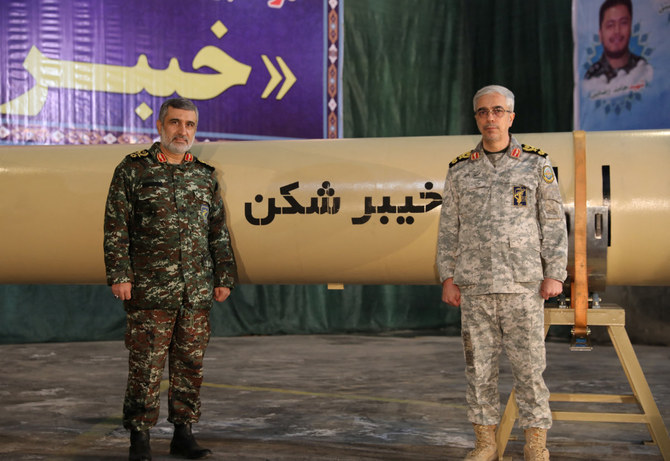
x: 327, y: 397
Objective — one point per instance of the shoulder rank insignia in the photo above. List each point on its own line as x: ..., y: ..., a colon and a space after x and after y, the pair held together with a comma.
x: 460, y: 158
x: 203, y: 164
x: 140, y: 154
x: 533, y: 150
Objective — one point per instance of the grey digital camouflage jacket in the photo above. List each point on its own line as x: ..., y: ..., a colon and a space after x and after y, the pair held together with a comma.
x: 165, y: 232
x: 502, y: 229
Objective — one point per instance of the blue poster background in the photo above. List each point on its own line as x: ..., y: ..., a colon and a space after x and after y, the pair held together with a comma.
x: 638, y: 100
x: 151, y: 45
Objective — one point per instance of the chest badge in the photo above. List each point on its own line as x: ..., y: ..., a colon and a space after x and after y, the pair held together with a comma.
x: 548, y: 174
x: 520, y: 193
x: 204, y: 212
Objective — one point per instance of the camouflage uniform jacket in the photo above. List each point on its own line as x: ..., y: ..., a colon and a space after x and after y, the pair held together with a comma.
x: 502, y: 229
x: 165, y: 232
x: 603, y: 67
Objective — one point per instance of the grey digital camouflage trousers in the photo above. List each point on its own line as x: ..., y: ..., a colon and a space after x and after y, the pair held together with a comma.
x: 515, y: 322
x: 152, y: 336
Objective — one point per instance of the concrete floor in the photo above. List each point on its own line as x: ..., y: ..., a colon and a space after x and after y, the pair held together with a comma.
x: 339, y: 397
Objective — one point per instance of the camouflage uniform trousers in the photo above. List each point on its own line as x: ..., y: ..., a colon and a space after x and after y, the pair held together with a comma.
x: 514, y: 321
x: 152, y: 336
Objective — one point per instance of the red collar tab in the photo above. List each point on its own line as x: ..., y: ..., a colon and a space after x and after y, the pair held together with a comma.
x: 474, y: 155
x: 188, y: 157
x: 515, y: 153
x: 161, y: 157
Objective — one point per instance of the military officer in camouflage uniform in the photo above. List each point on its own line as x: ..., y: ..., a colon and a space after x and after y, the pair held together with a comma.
x: 502, y: 251
x: 168, y: 256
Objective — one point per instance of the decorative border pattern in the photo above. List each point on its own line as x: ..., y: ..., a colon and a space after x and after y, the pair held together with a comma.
x: 26, y: 135
x: 333, y: 70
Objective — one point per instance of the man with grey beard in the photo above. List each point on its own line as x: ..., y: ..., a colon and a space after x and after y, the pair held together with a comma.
x: 168, y: 256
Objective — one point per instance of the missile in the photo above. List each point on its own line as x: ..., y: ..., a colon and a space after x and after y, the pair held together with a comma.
x: 346, y: 211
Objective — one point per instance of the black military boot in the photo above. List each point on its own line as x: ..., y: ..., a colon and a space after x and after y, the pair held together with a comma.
x: 184, y: 444
x: 140, y: 448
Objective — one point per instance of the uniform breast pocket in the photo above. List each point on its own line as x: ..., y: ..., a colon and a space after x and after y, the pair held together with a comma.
x: 151, y: 190
x: 151, y: 205
x: 474, y: 197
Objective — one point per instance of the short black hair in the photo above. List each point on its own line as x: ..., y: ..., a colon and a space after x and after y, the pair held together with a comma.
x: 177, y: 103
x: 607, y: 4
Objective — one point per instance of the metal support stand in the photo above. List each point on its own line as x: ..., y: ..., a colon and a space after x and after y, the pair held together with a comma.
x: 613, y: 317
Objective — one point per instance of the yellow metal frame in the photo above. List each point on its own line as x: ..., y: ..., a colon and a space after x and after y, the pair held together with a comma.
x: 613, y: 317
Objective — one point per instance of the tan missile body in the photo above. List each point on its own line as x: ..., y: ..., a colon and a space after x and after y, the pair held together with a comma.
x: 350, y: 211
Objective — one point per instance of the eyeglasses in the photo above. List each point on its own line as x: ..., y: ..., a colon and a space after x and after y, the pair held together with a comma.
x: 496, y: 111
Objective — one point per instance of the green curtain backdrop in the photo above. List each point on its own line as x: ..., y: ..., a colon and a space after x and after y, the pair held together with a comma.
x: 411, y: 68
x: 408, y: 68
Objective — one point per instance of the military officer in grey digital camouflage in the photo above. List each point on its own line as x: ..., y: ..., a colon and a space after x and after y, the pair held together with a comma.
x: 502, y: 250
x: 168, y: 256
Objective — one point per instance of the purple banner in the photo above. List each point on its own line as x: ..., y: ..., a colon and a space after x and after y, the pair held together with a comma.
x: 96, y: 71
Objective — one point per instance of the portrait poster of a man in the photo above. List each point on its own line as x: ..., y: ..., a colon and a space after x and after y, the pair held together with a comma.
x: 620, y: 61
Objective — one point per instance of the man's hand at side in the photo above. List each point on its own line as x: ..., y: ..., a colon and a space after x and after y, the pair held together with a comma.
x: 221, y: 293
x: 122, y: 290
x: 451, y: 294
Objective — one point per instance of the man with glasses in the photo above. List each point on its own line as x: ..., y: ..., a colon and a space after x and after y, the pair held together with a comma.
x: 502, y: 250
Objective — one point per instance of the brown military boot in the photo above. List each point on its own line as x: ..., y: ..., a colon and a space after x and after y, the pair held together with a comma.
x: 535, y: 448
x: 184, y: 444
x: 485, y: 448
x: 140, y: 448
